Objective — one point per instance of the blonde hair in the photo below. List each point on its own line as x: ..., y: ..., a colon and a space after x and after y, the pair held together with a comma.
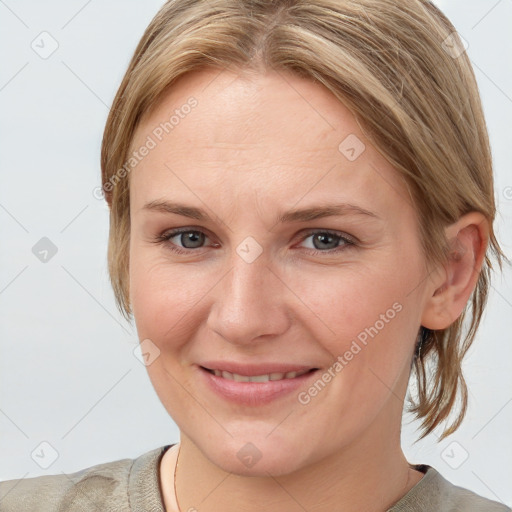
x: 398, y: 66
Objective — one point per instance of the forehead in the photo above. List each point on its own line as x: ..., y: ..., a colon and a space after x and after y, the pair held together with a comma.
x: 275, y: 135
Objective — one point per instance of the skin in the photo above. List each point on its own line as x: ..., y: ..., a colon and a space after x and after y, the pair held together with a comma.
x: 256, y: 146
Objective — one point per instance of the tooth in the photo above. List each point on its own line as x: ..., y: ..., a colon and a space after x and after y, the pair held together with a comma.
x: 259, y: 378
x: 240, y: 378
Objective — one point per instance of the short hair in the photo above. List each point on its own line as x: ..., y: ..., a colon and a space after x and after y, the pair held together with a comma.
x: 399, y: 67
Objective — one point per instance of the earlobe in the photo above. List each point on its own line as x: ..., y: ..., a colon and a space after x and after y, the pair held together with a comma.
x: 456, y: 280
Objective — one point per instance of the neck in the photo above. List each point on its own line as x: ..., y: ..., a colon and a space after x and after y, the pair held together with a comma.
x: 371, y: 474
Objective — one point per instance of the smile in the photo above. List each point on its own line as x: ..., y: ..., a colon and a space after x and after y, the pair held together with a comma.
x: 257, y: 378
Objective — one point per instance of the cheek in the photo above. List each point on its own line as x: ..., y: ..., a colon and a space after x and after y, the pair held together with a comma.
x: 367, y: 325
x: 165, y: 297
x: 166, y: 300
x: 368, y: 317
x: 346, y: 301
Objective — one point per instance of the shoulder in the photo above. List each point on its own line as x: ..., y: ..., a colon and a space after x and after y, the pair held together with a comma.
x: 434, y: 492
x: 94, y: 486
x: 464, y: 499
x: 103, y: 487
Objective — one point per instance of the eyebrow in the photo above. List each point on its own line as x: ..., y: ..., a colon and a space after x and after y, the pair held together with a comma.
x: 297, y: 215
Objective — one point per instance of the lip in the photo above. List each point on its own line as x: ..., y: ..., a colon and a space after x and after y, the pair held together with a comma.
x: 255, y: 393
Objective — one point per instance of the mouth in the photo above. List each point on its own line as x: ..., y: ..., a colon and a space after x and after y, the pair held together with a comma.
x: 265, y: 385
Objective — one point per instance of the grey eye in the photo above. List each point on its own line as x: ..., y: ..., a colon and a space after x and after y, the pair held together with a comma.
x: 191, y: 239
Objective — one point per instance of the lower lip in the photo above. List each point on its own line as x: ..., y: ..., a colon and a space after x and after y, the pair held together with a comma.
x: 254, y: 393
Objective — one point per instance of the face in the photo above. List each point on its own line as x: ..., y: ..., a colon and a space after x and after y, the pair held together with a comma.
x: 235, y: 279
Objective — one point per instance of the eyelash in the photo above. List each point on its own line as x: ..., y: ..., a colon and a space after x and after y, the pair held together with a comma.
x: 349, y: 241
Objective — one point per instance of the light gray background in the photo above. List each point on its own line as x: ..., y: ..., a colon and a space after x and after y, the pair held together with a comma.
x: 69, y: 376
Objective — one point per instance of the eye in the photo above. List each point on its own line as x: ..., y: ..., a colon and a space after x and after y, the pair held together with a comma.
x: 189, y: 239
x: 328, y: 241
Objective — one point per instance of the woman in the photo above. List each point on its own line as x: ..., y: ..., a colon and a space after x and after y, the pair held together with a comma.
x: 302, y: 210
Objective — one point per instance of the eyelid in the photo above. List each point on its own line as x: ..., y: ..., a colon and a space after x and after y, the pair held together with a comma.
x: 344, y: 236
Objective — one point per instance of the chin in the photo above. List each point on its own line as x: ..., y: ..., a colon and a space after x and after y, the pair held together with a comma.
x: 255, y: 455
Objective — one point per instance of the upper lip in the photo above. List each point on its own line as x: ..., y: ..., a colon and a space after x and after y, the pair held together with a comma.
x: 254, y: 369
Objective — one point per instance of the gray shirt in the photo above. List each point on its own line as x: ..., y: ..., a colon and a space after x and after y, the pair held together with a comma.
x: 134, y: 485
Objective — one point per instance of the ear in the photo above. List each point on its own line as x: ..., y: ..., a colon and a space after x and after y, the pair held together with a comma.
x: 454, y: 282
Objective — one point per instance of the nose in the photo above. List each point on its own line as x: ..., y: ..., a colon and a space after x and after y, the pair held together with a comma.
x: 250, y: 303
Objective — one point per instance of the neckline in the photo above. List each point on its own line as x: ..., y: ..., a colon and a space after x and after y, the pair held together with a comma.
x: 144, y: 487
x: 417, y: 489
x: 422, y: 489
